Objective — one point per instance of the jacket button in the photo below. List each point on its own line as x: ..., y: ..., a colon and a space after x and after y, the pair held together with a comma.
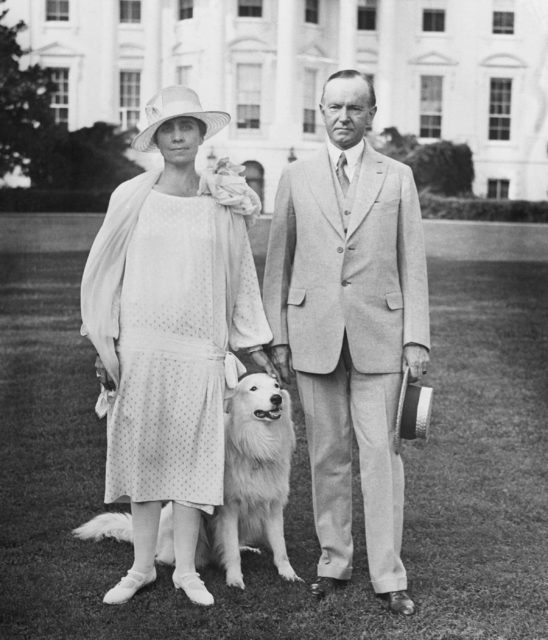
x: 340, y: 250
x: 345, y: 283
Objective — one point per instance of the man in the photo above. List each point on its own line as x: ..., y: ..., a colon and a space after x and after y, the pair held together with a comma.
x: 346, y: 296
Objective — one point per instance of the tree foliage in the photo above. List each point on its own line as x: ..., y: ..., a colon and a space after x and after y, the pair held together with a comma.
x: 24, y: 102
x: 89, y: 158
x: 443, y: 168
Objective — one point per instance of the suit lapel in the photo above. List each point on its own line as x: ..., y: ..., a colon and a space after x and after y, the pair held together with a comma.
x: 372, y: 175
x: 320, y: 179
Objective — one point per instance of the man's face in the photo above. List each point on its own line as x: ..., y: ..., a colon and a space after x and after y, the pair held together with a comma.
x: 346, y: 111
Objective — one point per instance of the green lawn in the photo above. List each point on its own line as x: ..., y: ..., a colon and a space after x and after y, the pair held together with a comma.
x: 475, y: 537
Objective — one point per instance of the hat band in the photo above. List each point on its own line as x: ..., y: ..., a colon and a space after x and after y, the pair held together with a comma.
x: 173, y: 110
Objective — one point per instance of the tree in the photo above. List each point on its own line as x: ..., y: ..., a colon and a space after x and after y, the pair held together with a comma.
x: 24, y: 102
x: 89, y: 158
x: 444, y: 168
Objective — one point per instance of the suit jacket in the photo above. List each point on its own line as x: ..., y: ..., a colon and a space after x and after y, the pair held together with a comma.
x: 370, y: 282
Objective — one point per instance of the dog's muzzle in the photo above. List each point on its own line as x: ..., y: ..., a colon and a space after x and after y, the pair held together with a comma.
x: 272, y: 414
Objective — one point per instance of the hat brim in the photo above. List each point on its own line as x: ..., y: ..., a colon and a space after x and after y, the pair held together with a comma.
x: 414, y: 412
x: 213, y: 120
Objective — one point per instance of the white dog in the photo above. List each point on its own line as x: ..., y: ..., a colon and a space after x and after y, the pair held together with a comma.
x: 260, y: 440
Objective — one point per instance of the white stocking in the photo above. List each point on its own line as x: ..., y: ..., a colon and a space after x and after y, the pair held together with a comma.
x: 146, y: 519
x: 186, y: 527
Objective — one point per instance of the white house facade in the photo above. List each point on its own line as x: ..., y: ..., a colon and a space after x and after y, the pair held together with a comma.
x: 473, y: 71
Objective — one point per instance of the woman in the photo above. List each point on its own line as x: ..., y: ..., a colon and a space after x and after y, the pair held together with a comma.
x: 168, y: 287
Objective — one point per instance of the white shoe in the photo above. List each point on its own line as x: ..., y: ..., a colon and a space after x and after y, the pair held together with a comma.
x: 128, y: 586
x: 194, y: 588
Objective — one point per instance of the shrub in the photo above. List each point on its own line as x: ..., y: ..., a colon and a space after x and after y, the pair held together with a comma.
x: 436, y: 207
x: 53, y: 200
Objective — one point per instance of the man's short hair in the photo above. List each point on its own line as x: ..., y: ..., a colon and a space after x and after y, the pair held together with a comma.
x: 352, y: 73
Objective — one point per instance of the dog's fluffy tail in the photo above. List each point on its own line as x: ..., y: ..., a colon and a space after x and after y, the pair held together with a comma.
x: 107, y: 525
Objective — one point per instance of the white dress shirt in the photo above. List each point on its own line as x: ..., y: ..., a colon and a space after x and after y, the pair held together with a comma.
x: 353, y: 156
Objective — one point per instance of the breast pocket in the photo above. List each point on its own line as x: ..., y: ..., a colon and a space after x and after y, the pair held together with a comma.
x: 296, y: 296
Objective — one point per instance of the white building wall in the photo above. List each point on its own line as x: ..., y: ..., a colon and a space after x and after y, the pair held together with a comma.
x: 96, y: 47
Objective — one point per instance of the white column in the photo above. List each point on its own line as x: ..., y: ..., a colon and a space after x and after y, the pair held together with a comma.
x: 108, y: 50
x: 151, y: 77
x: 384, y: 78
x: 286, y: 124
x: 348, y: 33
x: 212, y: 86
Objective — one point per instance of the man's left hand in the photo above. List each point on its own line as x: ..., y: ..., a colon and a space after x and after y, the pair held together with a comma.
x: 417, y: 359
x: 260, y: 358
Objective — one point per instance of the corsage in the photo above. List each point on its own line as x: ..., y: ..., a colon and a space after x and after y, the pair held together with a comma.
x: 228, y: 187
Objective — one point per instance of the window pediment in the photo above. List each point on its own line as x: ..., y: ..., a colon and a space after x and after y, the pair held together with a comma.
x: 433, y: 58
x: 503, y: 60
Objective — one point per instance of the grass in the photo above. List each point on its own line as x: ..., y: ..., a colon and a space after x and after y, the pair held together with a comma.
x: 475, y: 535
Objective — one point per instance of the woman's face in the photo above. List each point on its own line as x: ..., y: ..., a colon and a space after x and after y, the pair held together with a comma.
x: 178, y: 140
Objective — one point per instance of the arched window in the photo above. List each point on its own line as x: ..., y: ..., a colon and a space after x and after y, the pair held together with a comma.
x: 254, y: 174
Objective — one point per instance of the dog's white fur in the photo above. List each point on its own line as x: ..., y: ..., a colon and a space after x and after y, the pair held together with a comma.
x: 260, y: 440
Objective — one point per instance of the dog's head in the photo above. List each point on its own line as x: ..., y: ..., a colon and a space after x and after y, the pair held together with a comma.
x: 262, y: 396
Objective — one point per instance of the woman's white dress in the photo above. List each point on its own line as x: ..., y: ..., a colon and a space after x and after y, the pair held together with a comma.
x: 165, y: 429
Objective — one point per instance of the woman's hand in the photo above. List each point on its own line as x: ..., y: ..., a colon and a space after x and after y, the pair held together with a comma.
x: 103, y: 376
x: 260, y: 358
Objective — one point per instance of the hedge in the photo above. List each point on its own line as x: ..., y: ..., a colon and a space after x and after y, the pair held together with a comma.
x: 437, y: 207
x: 433, y: 207
x: 53, y: 201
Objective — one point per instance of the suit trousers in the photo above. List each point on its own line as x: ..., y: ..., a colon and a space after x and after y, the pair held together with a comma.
x: 336, y: 405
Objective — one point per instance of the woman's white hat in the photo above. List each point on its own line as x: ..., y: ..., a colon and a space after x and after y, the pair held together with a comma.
x: 173, y: 102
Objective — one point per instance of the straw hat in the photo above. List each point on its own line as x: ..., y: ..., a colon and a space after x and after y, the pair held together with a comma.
x: 414, y: 412
x: 173, y: 102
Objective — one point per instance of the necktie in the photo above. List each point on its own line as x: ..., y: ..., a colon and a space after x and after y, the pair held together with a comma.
x: 341, y: 173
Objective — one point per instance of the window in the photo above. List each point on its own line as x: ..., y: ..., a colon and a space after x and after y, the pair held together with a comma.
x: 130, y: 11
x: 367, y: 15
x: 250, y: 8
x: 60, y: 97
x: 57, y: 10
x: 430, y: 106
x: 249, y: 96
x: 503, y: 22
x: 309, y: 101
x: 497, y: 188
x: 500, y: 103
x: 186, y: 9
x: 433, y: 20
x: 130, y: 98
x: 312, y: 11
x: 183, y: 75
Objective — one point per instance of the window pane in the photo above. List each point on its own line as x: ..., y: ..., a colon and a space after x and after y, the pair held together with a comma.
x: 130, y: 98
x: 312, y: 11
x: 250, y: 8
x: 57, y: 10
x: 249, y: 77
x: 130, y: 11
x: 431, y: 106
x: 503, y: 22
x: 367, y: 15
x: 309, y: 101
x: 433, y: 20
x: 186, y: 9
x: 500, y: 105
x: 60, y: 96
x: 498, y: 188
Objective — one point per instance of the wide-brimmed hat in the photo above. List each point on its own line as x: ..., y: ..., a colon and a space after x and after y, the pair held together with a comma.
x: 414, y: 412
x: 173, y: 102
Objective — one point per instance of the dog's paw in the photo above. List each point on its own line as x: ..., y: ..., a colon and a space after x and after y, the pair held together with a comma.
x: 235, y: 579
x: 287, y: 573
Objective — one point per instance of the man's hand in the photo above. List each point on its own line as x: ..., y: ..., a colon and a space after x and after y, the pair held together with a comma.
x: 103, y: 376
x: 281, y: 357
x: 260, y: 358
x: 416, y: 357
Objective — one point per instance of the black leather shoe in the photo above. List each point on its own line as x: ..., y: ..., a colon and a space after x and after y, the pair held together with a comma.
x: 324, y: 586
x: 400, y: 603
